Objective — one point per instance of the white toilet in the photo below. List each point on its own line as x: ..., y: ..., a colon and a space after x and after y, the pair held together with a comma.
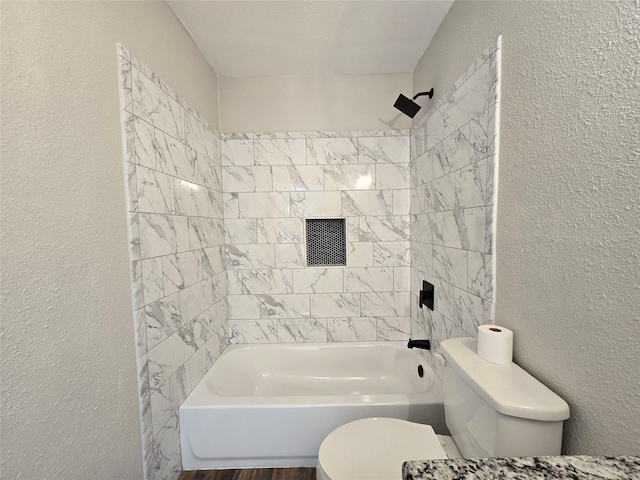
x: 491, y: 411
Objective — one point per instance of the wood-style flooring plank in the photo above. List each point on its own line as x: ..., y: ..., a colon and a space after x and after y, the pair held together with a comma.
x: 306, y: 473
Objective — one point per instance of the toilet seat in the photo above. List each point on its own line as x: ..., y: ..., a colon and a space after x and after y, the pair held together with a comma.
x: 375, y: 448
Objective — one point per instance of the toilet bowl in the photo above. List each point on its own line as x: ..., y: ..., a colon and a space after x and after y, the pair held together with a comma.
x: 375, y: 448
x: 491, y: 411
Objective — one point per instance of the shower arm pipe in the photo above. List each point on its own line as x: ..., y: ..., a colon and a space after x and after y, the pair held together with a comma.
x: 420, y: 94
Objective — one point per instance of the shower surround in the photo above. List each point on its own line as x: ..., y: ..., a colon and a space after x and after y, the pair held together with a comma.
x: 272, y: 183
x: 174, y: 203
x: 454, y: 172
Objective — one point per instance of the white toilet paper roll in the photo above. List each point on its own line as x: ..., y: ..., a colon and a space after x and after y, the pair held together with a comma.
x: 495, y: 344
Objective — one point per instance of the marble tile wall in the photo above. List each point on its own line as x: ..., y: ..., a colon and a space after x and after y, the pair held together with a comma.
x: 454, y: 166
x: 272, y: 183
x: 174, y: 202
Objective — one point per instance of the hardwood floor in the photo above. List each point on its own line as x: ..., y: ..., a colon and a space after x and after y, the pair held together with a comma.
x: 306, y: 473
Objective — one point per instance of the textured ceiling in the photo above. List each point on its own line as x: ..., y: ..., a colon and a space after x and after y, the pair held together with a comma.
x: 249, y: 38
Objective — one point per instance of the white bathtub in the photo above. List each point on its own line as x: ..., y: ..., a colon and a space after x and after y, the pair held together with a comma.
x: 272, y: 405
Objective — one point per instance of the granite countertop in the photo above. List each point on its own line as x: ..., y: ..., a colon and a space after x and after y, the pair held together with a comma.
x: 537, y: 468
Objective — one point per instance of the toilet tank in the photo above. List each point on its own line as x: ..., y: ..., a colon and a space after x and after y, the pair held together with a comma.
x: 498, y: 410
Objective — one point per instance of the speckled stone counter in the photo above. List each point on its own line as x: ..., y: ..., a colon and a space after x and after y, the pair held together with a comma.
x: 542, y: 468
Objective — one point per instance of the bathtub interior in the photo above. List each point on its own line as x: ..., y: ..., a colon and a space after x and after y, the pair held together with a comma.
x: 271, y: 370
x: 283, y: 426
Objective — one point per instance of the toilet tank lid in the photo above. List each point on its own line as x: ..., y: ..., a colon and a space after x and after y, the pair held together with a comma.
x: 507, y: 388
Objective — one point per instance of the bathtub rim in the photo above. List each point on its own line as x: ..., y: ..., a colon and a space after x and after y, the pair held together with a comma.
x: 201, y: 397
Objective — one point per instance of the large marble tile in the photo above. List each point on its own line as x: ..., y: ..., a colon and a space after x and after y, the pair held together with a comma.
x: 479, y: 137
x: 140, y: 332
x: 468, y: 101
x: 154, y: 106
x: 236, y: 152
x: 166, y: 357
x: 302, y: 330
x: 421, y: 170
x: 422, y: 257
x: 195, y: 368
x: 173, y: 468
x: 280, y: 135
x: 317, y: 280
x: 491, y: 192
x: 456, y: 149
x: 173, y: 158
x: 265, y: 205
x: 204, y: 326
x: 284, y: 306
x: 209, y: 172
x: 247, y: 179
x: 298, y: 178
x: 370, y: 202
x: 152, y: 283
x: 385, y: 304
x: 161, y: 410
x: 280, y: 230
x: 250, y: 256
x: 435, y: 128
x: 166, y: 443
x: 163, y: 318
x: 335, y: 305
x: 315, y: 204
x: 468, y: 311
x: 471, y: 185
x: 215, y: 201
x: 391, y: 254
x: 332, y: 151
x: 384, y: 229
x: 393, y: 328
x: 240, y: 231
x: 351, y: 329
x: 124, y: 73
x: 360, y: 254
x: 332, y: 134
x: 450, y: 265
x: 230, y: 205
x: 195, y: 299
x: 243, y: 307
x: 417, y: 140
x: 401, y: 279
x: 268, y: 281
x: 368, y: 279
x: 143, y: 143
x: 465, y: 229
x: 290, y: 255
x: 401, y: 202
x: 392, y: 176
x: 383, y: 150
x: 198, y: 136
x: 281, y: 151
x: 253, y: 331
x: 212, y: 260
x: 157, y: 235
x: 203, y: 232
x: 349, y: 177
x: 190, y: 199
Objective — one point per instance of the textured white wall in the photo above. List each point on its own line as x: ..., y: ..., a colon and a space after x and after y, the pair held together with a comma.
x: 312, y: 103
x: 69, y: 406
x: 568, y: 245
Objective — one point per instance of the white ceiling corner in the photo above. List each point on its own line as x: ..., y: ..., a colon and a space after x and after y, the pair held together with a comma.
x: 242, y: 38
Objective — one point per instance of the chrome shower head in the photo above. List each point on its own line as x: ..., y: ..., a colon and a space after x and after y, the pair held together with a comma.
x: 408, y: 106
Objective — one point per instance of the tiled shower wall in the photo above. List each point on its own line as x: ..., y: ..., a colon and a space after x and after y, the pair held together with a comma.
x: 174, y: 199
x: 272, y: 183
x: 454, y: 150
